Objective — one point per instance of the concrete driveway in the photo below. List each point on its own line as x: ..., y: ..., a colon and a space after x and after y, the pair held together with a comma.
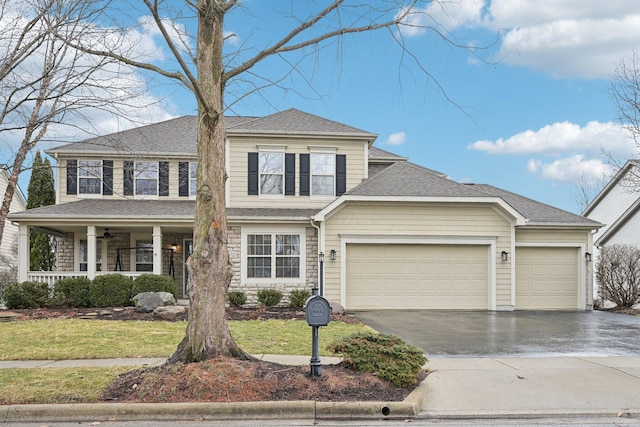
x: 511, y: 334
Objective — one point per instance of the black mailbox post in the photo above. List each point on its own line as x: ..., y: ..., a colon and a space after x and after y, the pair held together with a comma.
x: 318, y: 314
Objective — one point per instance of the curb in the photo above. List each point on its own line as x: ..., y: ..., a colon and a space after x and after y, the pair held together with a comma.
x: 84, y: 412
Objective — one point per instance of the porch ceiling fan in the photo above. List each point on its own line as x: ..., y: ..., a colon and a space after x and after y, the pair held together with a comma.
x: 106, y: 235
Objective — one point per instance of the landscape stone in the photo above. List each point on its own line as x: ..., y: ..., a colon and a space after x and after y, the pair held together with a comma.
x: 146, y: 302
x: 170, y: 312
x: 336, y: 308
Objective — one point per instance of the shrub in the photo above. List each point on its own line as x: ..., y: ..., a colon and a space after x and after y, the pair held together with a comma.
x: 110, y: 290
x: 27, y: 295
x: 8, y: 274
x: 390, y: 357
x: 237, y: 298
x: 269, y: 297
x: 618, y: 274
x: 298, y: 297
x: 154, y: 283
x: 72, y: 292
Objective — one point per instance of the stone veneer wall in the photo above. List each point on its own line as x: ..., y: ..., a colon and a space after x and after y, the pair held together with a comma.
x: 65, y: 253
x: 251, y: 290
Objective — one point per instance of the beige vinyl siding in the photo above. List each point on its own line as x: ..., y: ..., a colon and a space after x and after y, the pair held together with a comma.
x: 579, y: 237
x: 10, y: 237
x: 238, y: 170
x: 412, y: 220
x: 118, y: 178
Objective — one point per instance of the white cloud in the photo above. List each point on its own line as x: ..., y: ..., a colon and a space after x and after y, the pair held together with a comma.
x: 562, y: 137
x: 571, y: 169
x: 563, y: 38
x: 396, y: 138
x: 231, y: 38
x: 447, y: 15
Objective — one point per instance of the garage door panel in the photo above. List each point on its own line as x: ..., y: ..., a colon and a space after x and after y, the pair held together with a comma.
x: 417, y: 276
x: 547, y: 278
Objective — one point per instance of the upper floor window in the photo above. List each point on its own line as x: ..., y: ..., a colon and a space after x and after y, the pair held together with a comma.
x: 271, y: 173
x: 322, y: 174
x: 89, y: 177
x: 146, y: 178
x: 187, y: 179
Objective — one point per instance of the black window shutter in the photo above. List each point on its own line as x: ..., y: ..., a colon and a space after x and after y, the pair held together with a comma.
x: 290, y: 174
x: 107, y: 177
x: 341, y: 174
x: 304, y: 174
x: 253, y: 174
x: 163, y: 179
x: 72, y: 177
x: 183, y: 179
x: 128, y: 177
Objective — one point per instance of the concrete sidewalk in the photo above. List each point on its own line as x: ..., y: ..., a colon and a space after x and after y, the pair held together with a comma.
x: 483, y: 387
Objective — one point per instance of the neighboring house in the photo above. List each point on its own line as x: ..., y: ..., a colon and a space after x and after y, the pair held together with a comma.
x: 8, y: 248
x: 617, y: 206
x: 393, y: 234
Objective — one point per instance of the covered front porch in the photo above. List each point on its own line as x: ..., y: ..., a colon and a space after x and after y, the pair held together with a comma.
x: 92, y: 250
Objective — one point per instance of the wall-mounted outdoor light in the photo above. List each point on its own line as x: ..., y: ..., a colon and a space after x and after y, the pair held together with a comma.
x: 505, y: 256
x: 332, y: 254
x: 587, y: 256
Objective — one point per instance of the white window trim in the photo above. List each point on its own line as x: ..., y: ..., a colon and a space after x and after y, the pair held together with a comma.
x: 271, y: 149
x: 301, y: 231
x: 191, y: 196
x: 101, y: 177
x: 101, y: 255
x: 135, y: 179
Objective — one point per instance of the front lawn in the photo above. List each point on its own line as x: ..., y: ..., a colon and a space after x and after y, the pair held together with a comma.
x: 61, y: 339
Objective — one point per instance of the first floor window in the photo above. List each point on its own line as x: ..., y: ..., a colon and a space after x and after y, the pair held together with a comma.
x: 84, y: 255
x: 144, y: 255
x: 273, y: 255
x: 89, y: 177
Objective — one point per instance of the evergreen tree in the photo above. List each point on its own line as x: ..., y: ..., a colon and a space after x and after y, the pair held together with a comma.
x: 41, y: 192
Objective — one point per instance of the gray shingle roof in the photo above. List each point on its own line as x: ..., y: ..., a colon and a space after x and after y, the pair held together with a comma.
x: 178, y: 136
x: 535, y: 212
x: 161, y: 209
x: 408, y: 179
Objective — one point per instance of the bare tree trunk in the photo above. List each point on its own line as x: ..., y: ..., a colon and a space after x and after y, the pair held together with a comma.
x: 210, y: 273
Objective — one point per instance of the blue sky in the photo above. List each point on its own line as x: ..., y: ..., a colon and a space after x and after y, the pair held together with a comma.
x: 528, y: 110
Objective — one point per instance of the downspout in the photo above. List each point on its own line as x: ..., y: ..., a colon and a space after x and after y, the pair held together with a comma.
x: 320, y: 248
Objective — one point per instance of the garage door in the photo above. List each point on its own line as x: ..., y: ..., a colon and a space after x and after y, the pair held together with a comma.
x: 546, y: 278
x: 417, y: 277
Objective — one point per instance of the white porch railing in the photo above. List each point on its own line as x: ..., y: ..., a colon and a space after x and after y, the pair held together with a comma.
x: 51, y: 277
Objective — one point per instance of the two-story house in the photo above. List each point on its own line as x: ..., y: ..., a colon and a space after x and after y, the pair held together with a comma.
x: 392, y: 234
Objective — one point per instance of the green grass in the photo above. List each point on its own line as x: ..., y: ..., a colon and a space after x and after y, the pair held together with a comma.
x: 55, y: 385
x: 60, y: 339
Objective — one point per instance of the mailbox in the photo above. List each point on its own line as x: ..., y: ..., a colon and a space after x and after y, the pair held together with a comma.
x: 318, y: 311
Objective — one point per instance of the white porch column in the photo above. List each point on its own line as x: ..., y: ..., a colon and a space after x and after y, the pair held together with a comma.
x: 23, y: 253
x: 157, y: 250
x: 91, y: 252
